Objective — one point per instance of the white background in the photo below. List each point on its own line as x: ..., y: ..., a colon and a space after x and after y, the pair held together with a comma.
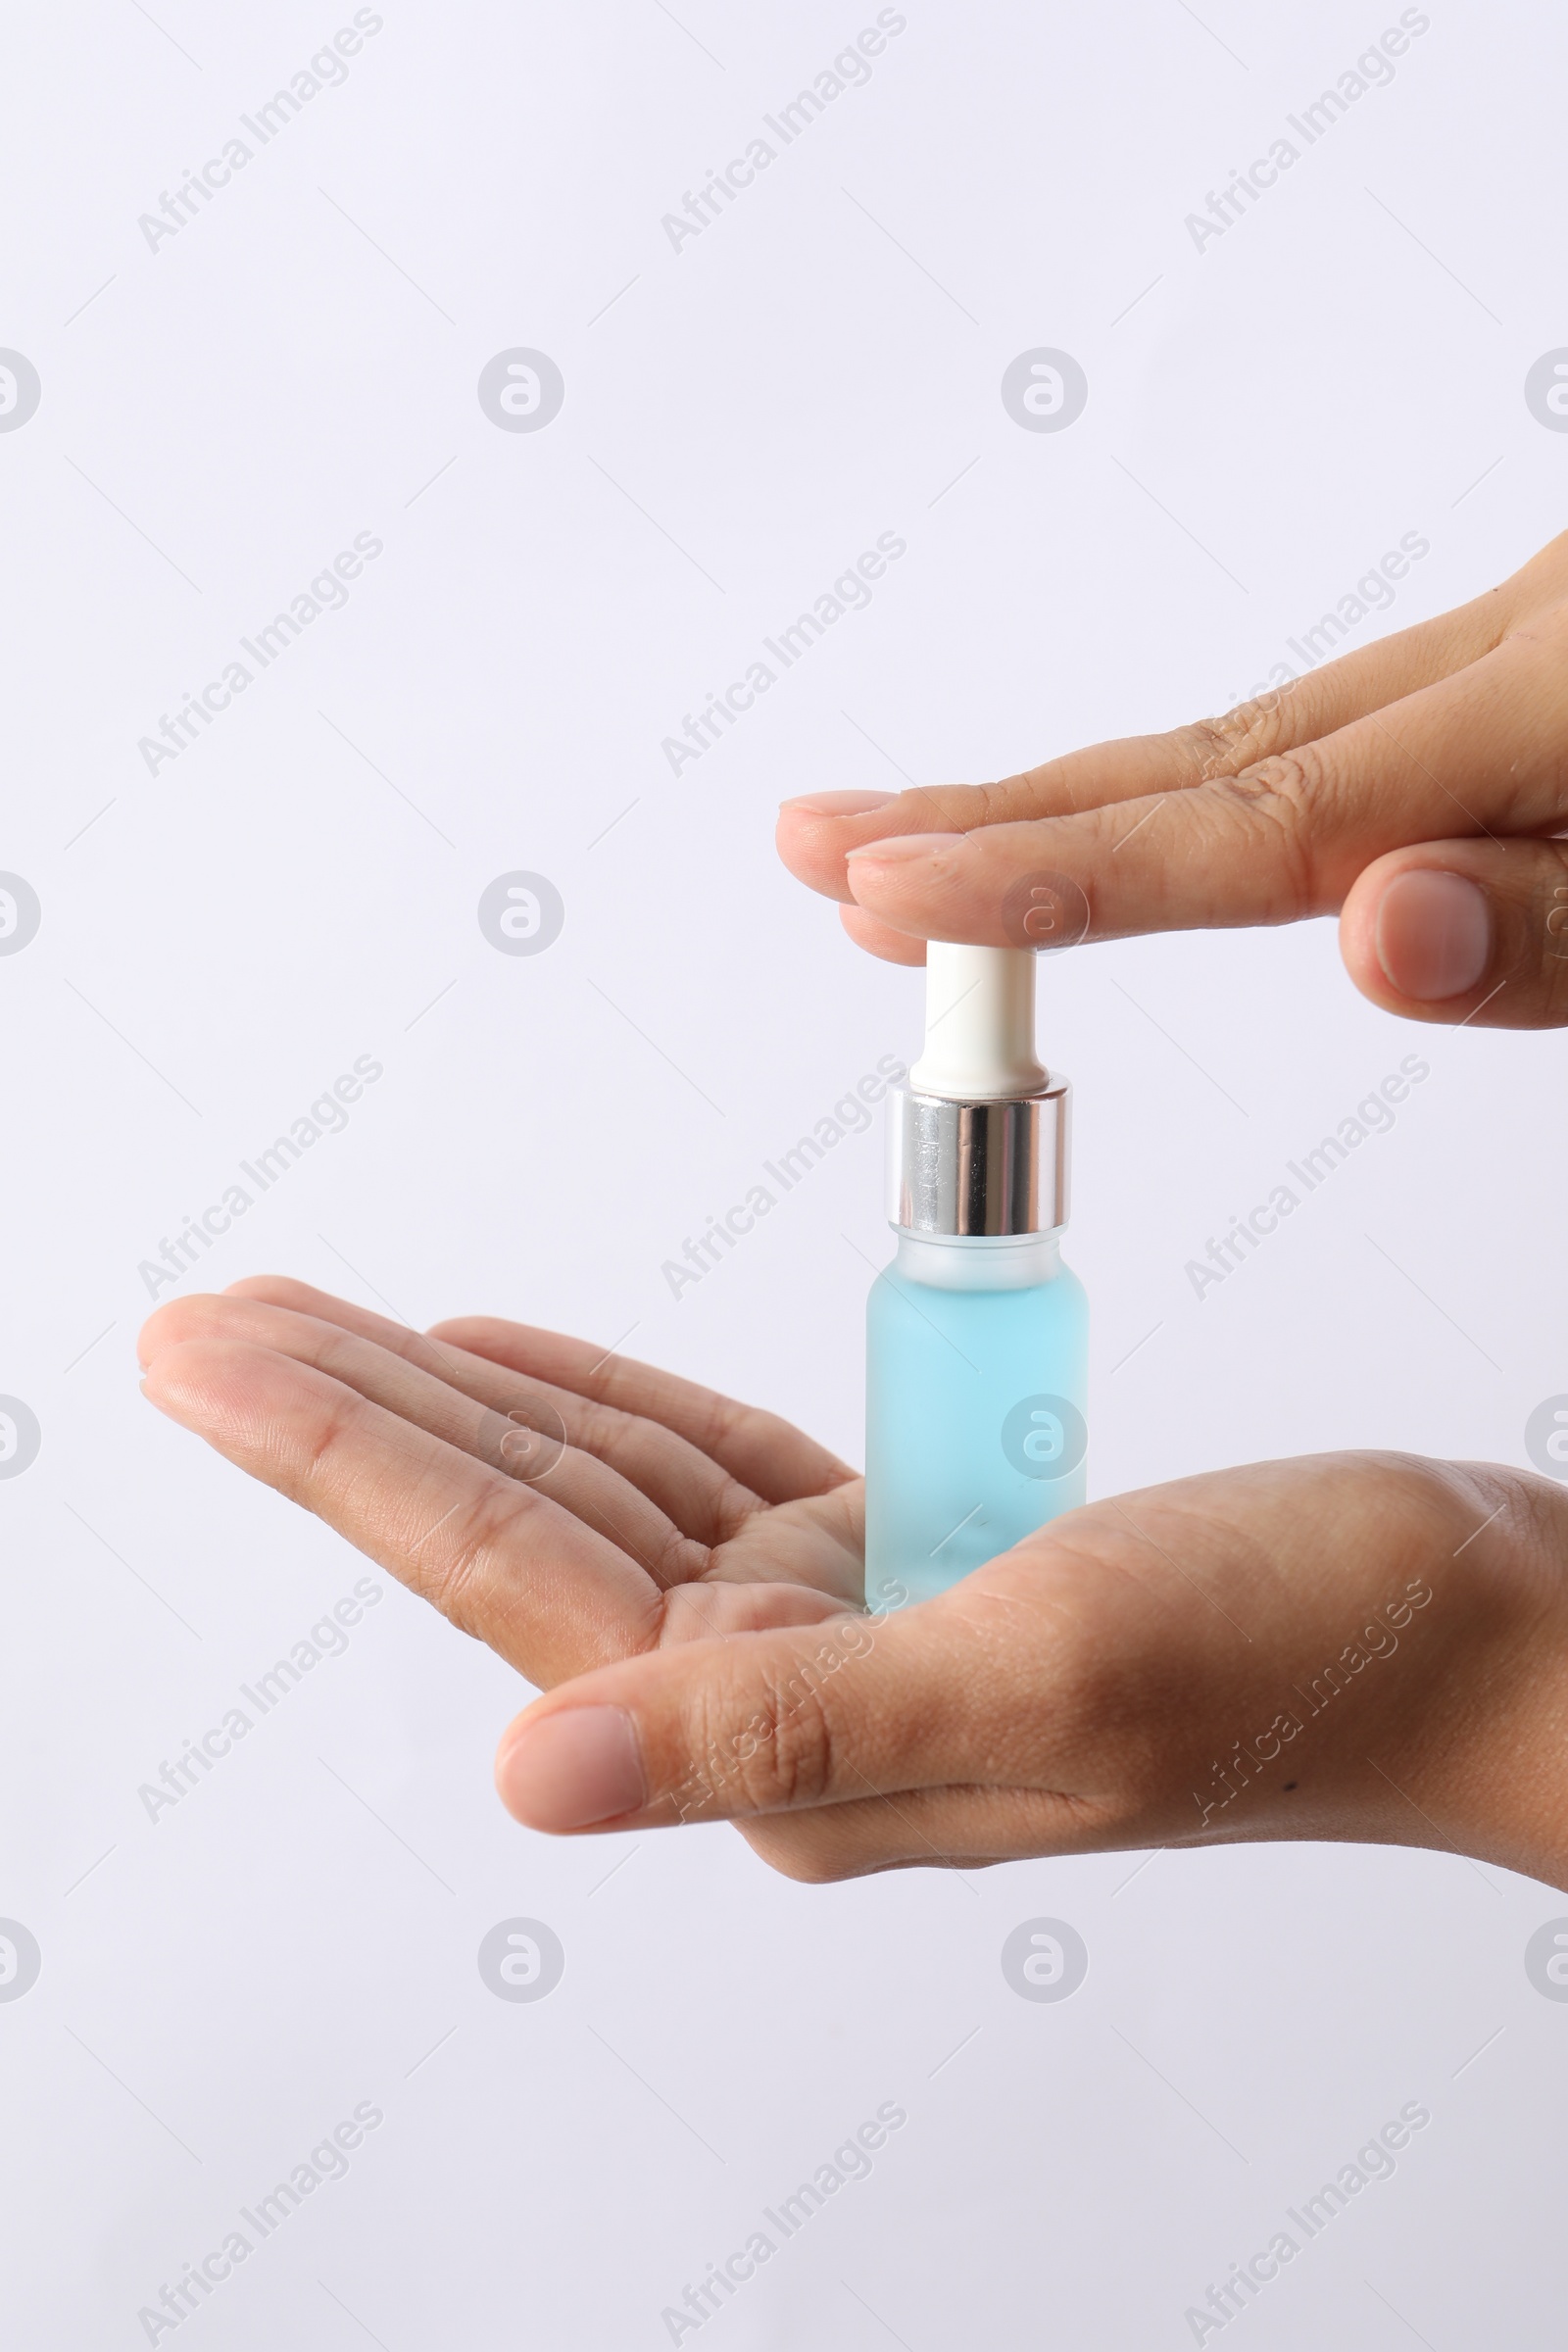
x: 299, y: 888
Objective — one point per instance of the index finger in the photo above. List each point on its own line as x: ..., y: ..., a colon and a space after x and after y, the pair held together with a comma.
x: 1478, y: 754
x: 817, y: 836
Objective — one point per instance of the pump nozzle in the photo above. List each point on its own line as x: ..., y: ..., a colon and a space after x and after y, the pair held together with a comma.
x: 979, y: 1024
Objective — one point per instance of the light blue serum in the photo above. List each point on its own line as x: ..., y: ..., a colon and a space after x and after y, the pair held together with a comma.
x: 977, y: 1334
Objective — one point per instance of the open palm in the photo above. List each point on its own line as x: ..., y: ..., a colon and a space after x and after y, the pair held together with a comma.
x: 1198, y: 1662
x: 565, y: 1505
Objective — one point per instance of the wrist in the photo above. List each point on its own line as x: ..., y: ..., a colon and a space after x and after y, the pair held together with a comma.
x: 1489, y: 1765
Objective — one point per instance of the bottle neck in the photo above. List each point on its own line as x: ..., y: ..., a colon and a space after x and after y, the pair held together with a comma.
x: 973, y: 1262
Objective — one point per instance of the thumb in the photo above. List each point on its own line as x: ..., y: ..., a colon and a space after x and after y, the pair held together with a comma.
x: 1463, y: 930
x: 759, y: 1723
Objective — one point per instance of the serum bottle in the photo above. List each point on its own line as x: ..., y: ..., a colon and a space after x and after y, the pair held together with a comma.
x: 977, y: 1334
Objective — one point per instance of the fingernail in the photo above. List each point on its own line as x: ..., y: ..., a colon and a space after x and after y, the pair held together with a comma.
x: 904, y: 848
x: 839, y: 804
x: 1433, y: 934
x: 570, y: 1769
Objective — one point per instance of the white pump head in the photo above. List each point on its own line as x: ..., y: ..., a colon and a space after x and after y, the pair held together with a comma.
x: 979, y: 1025
x: 977, y: 1140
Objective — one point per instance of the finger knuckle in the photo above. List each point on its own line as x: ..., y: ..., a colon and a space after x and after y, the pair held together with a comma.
x: 595, y: 1428
x: 1236, y: 739
x: 723, y: 1422
x: 803, y: 1750
x: 781, y: 1754
x: 1279, y: 802
x: 674, y: 1560
x: 459, y: 1569
x: 331, y: 1431
x: 999, y: 803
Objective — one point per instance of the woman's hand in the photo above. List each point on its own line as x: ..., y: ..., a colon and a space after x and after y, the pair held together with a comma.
x: 1364, y: 1646
x: 1349, y: 1646
x: 556, y: 1502
x: 1414, y: 786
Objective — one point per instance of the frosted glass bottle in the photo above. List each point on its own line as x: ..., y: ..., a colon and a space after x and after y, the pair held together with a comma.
x: 976, y: 1397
